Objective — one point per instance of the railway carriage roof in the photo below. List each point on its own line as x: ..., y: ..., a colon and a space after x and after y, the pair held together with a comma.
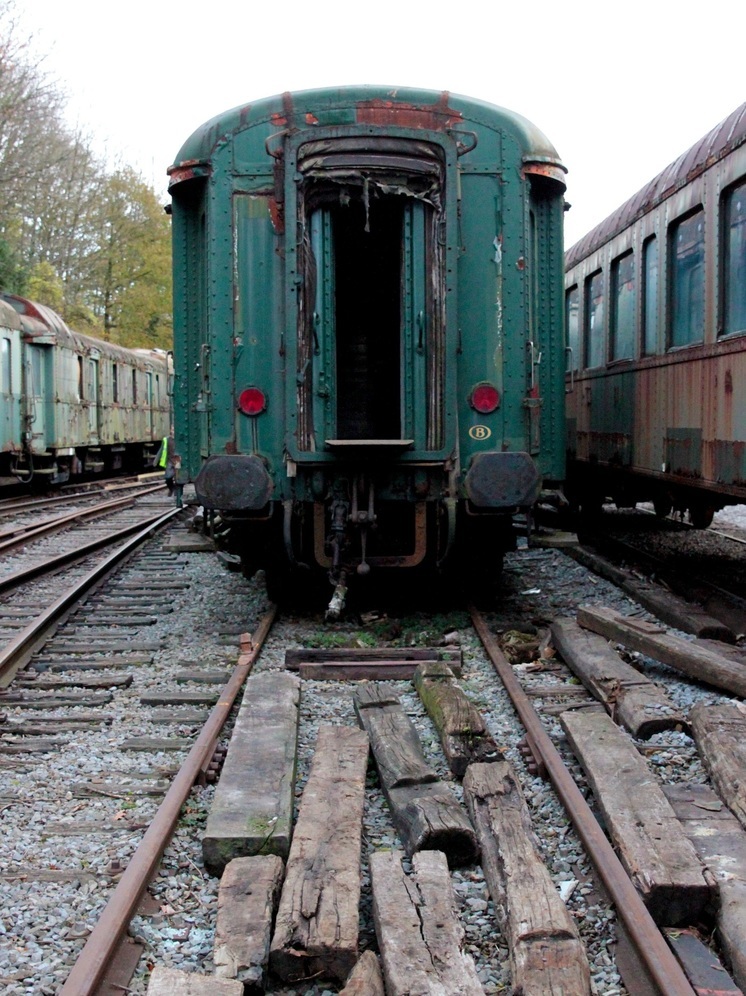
x: 38, y: 322
x: 412, y: 108
x: 716, y: 144
x: 36, y: 319
x: 9, y: 318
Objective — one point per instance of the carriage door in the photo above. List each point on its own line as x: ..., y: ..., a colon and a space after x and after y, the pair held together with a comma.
x: 92, y: 392
x: 9, y: 395
x: 149, y: 403
x: 370, y: 334
x: 35, y: 414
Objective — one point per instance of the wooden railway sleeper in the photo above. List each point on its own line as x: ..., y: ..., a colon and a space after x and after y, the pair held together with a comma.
x: 657, y: 961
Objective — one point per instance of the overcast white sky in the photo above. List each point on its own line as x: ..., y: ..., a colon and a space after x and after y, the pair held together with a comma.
x: 621, y: 89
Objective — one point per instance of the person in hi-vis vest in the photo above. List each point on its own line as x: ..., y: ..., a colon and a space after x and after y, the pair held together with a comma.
x: 165, y: 459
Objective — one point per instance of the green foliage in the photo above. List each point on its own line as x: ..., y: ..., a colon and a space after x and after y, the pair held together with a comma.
x: 45, y: 285
x: 131, y: 263
x: 12, y: 273
x: 418, y: 629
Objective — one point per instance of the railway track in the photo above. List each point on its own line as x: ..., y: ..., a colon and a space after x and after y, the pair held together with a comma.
x: 703, y: 567
x: 180, y: 899
x: 42, y: 547
x: 27, y: 501
x: 21, y: 534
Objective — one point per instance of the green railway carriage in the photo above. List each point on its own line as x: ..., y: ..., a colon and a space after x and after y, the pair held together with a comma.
x: 71, y: 405
x: 11, y: 377
x: 368, y: 321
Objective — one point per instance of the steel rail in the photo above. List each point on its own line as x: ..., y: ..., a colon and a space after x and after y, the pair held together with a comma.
x: 663, y: 968
x: 9, y: 506
x: 723, y: 604
x: 88, y: 490
x: 19, y: 535
x: 17, y: 578
x: 88, y: 971
x: 18, y: 651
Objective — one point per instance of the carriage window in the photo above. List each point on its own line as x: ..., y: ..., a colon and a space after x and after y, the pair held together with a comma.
x: 572, y: 314
x: 594, y: 320
x: 134, y: 387
x: 81, y: 395
x: 114, y: 383
x: 734, y: 269
x: 650, y: 296
x: 688, y: 280
x: 6, y: 357
x: 623, y: 312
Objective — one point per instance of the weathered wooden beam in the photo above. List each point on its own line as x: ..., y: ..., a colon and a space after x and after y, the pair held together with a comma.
x: 632, y: 700
x: 75, y: 681
x: 248, y: 894
x: 419, y: 936
x: 462, y: 730
x: 546, y: 953
x: 174, y: 982
x: 701, y: 964
x: 662, y: 603
x: 720, y: 841
x: 732, y: 653
x: 692, y: 659
x: 426, y: 813
x: 392, y: 670
x: 295, y: 656
x: 317, y: 923
x: 653, y: 848
x: 720, y: 733
x: 252, y: 811
x: 365, y: 979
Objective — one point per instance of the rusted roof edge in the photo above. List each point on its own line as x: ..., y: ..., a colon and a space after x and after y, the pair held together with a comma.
x: 718, y: 143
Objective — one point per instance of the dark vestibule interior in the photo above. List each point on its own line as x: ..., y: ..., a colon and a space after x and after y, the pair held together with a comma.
x: 368, y: 287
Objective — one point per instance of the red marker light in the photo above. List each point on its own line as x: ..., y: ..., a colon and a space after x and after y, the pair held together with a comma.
x: 252, y: 401
x: 484, y: 398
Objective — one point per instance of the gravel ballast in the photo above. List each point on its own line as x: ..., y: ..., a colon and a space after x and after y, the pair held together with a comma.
x: 43, y: 924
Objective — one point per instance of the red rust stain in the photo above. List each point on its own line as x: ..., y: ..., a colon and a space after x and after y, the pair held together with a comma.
x: 311, y: 119
x: 288, y: 109
x: 183, y: 165
x: 728, y: 382
x: 230, y: 447
x: 521, y: 263
x: 184, y: 171
x: 279, y: 120
x: 433, y: 117
x: 276, y: 215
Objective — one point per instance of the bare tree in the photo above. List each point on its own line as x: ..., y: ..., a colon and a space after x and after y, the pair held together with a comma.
x: 95, y: 242
x: 31, y: 105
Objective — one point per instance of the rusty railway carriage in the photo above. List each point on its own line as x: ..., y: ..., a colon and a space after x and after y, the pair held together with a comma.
x: 656, y: 319
x: 368, y: 326
x: 73, y: 405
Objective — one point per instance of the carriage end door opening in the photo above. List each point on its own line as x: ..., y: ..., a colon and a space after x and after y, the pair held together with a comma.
x: 370, y: 327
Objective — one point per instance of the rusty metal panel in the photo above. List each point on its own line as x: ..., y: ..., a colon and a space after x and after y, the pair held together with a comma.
x: 433, y: 117
x: 650, y: 418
